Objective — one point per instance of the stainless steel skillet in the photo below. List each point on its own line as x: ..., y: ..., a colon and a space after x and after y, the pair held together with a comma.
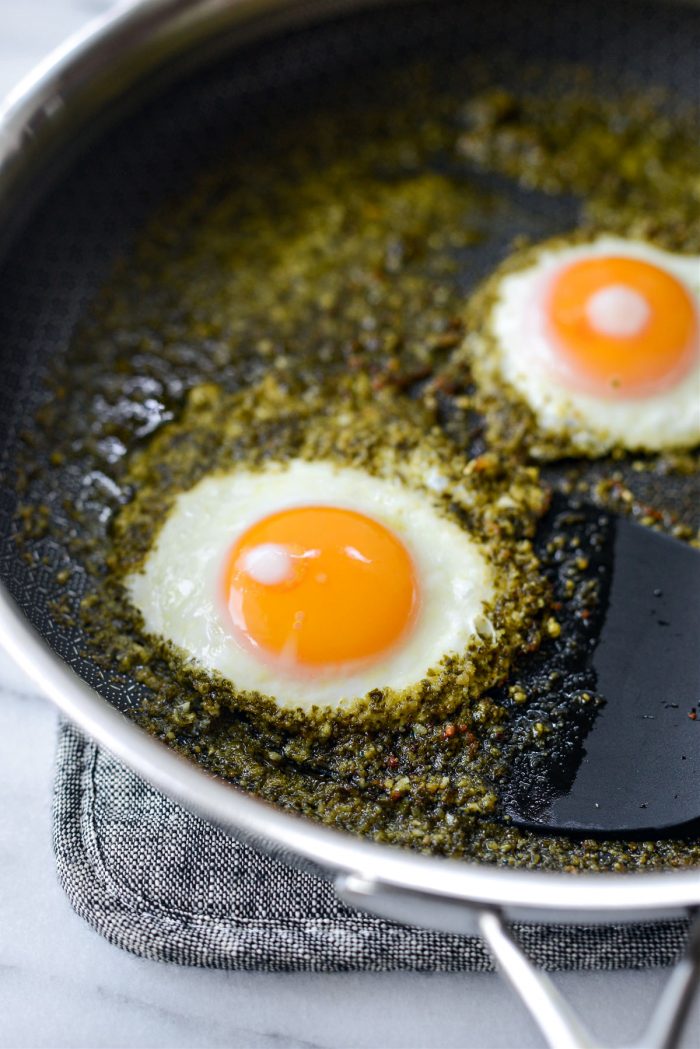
x: 52, y: 126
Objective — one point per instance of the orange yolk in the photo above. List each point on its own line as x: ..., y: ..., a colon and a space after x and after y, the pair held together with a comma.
x: 316, y: 587
x: 622, y: 326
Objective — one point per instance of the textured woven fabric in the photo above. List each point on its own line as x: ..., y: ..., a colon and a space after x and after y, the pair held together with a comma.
x: 166, y: 885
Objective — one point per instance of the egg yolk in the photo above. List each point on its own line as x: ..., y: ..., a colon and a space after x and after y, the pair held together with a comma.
x: 316, y: 587
x: 621, y: 326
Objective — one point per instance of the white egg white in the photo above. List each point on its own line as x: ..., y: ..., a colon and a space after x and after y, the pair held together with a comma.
x: 511, y: 349
x: 179, y: 588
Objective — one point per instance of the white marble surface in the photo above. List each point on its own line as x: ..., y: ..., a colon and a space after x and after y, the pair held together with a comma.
x: 62, y: 985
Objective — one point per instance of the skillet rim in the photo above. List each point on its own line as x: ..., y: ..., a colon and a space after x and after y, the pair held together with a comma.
x: 30, y: 118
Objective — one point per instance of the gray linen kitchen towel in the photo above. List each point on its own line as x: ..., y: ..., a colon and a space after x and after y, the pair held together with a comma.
x: 164, y: 884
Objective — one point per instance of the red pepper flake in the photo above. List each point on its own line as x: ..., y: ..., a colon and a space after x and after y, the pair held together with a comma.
x: 445, y: 385
x: 449, y: 731
x: 585, y: 613
x: 392, y: 762
x: 463, y: 728
x: 446, y: 340
x: 693, y: 714
x: 417, y: 375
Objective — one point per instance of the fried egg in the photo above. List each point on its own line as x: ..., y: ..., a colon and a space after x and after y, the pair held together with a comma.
x: 601, y: 340
x: 313, y: 583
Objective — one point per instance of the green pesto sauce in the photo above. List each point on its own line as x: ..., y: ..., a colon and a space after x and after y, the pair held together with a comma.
x: 323, y: 277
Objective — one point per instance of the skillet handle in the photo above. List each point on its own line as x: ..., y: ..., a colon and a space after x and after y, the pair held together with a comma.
x: 559, y: 1025
x: 669, y: 1018
x: 552, y: 1014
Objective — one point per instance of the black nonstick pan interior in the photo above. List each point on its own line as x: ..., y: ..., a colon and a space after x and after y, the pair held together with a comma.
x: 56, y: 266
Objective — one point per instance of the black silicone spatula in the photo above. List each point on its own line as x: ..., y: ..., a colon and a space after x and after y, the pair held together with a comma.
x: 637, y: 774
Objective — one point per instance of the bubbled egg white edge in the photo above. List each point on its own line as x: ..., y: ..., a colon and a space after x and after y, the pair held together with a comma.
x: 178, y: 589
x: 590, y: 425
